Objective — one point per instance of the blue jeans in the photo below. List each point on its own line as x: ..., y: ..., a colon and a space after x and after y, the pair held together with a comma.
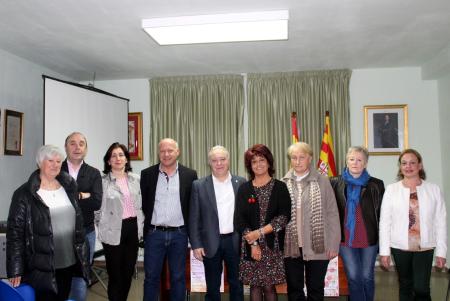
x: 79, y: 286
x: 229, y: 254
x: 158, y: 244
x: 359, y: 265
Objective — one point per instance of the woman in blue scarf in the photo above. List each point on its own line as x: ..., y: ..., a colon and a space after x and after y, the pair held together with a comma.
x: 358, y: 196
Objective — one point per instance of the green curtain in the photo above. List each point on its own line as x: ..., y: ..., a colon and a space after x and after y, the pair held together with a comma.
x: 199, y: 112
x: 272, y: 97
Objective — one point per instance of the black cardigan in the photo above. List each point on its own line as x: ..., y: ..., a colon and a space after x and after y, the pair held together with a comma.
x: 247, y: 213
x: 88, y: 180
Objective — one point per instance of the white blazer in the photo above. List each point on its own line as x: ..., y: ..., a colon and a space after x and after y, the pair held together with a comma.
x: 394, y: 219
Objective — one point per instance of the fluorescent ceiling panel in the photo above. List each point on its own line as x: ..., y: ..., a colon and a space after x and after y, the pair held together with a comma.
x: 256, y: 26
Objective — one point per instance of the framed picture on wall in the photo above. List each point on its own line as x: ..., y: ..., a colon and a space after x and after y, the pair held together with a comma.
x: 135, y: 136
x: 13, y: 137
x: 386, y: 129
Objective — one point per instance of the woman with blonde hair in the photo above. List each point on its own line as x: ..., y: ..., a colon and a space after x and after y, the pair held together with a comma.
x: 313, y: 235
x: 358, y: 197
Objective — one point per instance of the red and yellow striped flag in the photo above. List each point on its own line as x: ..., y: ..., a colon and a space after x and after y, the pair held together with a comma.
x: 326, y: 163
x: 294, y: 127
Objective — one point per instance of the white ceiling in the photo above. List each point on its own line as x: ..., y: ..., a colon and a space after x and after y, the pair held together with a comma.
x: 78, y: 38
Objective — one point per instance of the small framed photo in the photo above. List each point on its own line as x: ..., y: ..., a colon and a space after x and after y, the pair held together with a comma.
x: 13, y: 144
x: 386, y: 129
x: 135, y: 136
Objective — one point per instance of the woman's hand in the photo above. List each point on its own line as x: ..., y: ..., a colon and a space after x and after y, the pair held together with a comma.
x: 252, y: 236
x: 256, y: 252
x: 440, y: 262
x: 15, y: 282
x: 331, y: 254
x: 385, y: 261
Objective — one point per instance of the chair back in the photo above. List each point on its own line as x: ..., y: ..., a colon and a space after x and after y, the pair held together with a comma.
x: 23, y: 292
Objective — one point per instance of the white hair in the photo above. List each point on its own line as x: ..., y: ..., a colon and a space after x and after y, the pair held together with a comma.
x: 217, y: 148
x: 358, y: 149
x: 46, y: 152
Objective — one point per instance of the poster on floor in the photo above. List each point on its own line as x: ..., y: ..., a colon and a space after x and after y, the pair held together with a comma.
x: 198, y: 283
x: 332, y: 279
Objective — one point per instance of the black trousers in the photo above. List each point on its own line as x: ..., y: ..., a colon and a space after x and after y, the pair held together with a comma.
x: 228, y: 254
x: 314, y: 271
x: 63, y: 282
x: 414, y: 273
x: 121, y: 260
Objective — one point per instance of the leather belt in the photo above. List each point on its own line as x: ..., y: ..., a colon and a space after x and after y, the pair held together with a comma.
x: 226, y: 235
x: 166, y: 228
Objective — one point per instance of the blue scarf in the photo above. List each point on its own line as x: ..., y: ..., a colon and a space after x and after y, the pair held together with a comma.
x: 353, y: 196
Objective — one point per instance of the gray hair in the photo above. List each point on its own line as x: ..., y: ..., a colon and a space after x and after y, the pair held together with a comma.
x: 299, y: 146
x: 72, y: 134
x: 170, y: 140
x: 46, y: 152
x: 218, y: 148
x: 358, y: 149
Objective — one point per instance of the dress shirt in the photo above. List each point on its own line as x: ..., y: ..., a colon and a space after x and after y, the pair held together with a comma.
x: 167, y: 211
x: 73, y: 170
x: 225, y: 203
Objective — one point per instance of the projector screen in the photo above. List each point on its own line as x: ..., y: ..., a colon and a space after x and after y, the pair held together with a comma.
x: 70, y: 107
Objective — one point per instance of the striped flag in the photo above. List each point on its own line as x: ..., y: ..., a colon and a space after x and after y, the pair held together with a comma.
x: 326, y: 165
x: 294, y: 127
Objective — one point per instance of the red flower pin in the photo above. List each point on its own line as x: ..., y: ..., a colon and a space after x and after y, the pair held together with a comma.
x: 252, y: 199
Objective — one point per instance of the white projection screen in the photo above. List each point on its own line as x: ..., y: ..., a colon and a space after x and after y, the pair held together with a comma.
x: 70, y: 107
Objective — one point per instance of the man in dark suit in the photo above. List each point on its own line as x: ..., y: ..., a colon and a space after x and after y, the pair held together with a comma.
x: 90, y: 189
x: 166, y: 191
x: 211, y: 232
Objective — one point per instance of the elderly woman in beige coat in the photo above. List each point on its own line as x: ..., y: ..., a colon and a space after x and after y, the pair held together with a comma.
x: 313, y: 233
x: 120, y: 220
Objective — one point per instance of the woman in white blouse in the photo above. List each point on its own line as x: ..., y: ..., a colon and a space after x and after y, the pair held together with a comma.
x: 120, y: 220
x: 413, y: 227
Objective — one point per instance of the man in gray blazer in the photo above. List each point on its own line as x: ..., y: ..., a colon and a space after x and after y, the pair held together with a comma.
x: 211, y: 231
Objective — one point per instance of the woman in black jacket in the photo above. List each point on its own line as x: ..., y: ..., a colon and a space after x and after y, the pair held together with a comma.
x: 45, y: 239
x: 358, y: 196
x: 262, y: 212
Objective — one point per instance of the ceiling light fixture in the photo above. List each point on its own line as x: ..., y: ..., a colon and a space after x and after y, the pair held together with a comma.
x: 255, y: 26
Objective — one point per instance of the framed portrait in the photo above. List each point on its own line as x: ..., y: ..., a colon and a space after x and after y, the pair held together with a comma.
x: 13, y: 137
x: 386, y: 129
x: 135, y: 136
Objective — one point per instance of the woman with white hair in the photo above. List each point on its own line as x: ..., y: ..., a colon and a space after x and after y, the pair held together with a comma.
x: 312, y: 235
x: 46, y: 244
x: 359, y: 197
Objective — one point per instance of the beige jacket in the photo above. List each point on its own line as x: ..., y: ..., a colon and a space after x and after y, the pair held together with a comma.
x: 109, y: 217
x: 330, y: 217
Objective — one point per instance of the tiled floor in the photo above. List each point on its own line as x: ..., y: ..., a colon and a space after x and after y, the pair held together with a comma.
x: 385, y: 282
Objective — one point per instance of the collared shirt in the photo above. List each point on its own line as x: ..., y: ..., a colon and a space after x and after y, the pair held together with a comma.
x: 299, y: 178
x: 73, y: 170
x: 127, y: 201
x: 167, y: 210
x: 225, y: 203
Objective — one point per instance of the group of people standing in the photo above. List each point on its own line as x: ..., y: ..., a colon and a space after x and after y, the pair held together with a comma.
x: 266, y: 231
